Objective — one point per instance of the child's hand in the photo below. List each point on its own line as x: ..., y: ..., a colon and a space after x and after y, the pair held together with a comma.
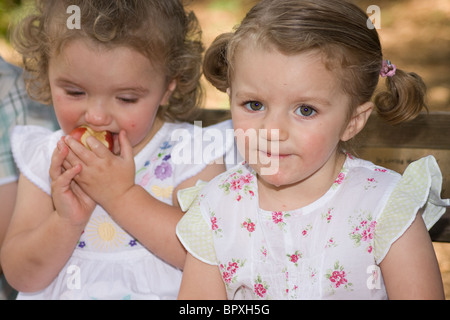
x: 104, y: 176
x: 70, y: 201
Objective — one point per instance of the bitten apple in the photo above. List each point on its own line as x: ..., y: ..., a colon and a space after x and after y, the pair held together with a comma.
x: 82, y: 133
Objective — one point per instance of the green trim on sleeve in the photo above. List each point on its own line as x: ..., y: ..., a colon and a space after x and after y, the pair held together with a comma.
x: 193, y: 231
x: 419, y: 189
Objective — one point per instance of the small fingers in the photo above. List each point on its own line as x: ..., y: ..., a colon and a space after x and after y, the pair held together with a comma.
x: 58, y: 158
x: 126, y: 149
x: 98, y: 148
x: 64, y: 180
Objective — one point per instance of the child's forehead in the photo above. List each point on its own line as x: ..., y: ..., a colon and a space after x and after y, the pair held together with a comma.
x: 308, y: 70
x: 83, y: 43
x: 247, y: 52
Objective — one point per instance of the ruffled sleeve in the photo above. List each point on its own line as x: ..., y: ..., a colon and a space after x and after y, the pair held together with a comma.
x: 192, y: 230
x: 32, y: 147
x: 418, y: 189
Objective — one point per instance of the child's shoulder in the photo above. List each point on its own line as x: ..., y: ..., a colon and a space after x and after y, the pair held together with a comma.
x: 230, y: 180
x: 365, y: 178
x: 361, y: 167
x: 31, y: 138
x: 32, y: 148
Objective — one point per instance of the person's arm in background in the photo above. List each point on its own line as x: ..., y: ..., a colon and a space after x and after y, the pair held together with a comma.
x: 16, y: 108
x: 7, y: 199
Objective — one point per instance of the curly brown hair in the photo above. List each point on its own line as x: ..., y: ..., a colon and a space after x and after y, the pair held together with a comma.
x: 161, y: 30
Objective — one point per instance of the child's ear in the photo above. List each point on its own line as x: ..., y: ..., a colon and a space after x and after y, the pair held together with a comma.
x: 357, y: 121
x: 170, y: 89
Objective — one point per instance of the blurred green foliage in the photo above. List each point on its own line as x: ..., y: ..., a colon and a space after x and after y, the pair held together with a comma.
x: 227, y: 5
x: 8, y: 8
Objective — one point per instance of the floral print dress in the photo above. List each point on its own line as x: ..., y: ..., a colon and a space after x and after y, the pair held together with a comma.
x: 330, y: 249
x: 108, y: 262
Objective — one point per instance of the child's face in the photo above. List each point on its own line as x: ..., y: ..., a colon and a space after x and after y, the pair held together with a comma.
x: 107, y: 89
x: 300, y: 98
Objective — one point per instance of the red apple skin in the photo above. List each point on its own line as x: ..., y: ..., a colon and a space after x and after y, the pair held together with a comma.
x: 82, y: 133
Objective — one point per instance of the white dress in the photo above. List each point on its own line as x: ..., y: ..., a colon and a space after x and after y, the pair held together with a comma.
x: 330, y: 249
x: 109, y: 263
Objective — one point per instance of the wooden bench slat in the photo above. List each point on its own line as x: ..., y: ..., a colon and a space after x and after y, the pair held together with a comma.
x: 431, y: 131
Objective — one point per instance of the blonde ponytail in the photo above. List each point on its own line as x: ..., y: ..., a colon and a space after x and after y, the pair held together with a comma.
x: 403, y: 99
x: 215, y: 65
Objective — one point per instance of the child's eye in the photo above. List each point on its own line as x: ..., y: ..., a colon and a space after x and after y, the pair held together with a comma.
x: 128, y: 99
x: 74, y: 93
x: 305, y: 111
x: 254, y: 106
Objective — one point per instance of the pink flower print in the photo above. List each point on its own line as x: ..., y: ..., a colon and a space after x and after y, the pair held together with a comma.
x: 232, y: 267
x: 368, y: 230
x: 364, y: 231
x: 327, y: 216
x: 260, y: 290
x: 277, y: 217
x: 247, y: 178
x: 214, y: 225
x: 249, y: 225
x: 227, y: 277
x: 340, y: 178
x: 330, y: 243
x: 306, y: 230
x: 380, y: 170
x: 145, y: 180
x: 371, y: 183
x: 229, y: 271
x: 260, y: 287
x: 240, y: 183
x: 294, y: 258
x: 236, y: 185
x: 264, y: 252
x: 366, y: 235
x: 338, y: 278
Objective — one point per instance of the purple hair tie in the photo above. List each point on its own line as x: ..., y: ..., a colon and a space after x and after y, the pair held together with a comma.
x: 388, y: 69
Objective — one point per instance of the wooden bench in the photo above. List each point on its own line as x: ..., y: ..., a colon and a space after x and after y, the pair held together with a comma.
x: 395, y: 147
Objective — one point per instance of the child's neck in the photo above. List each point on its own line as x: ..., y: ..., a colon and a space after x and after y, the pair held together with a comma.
x: 300, y: 194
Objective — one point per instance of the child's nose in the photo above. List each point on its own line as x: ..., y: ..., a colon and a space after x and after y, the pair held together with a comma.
x: 275, y: 127
x: 97, y: 115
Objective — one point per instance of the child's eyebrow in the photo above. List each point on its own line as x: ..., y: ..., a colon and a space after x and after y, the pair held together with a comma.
x: 64, y: 81
x: 301, y: 99
x: 137, y: 89
x: 119, y: 88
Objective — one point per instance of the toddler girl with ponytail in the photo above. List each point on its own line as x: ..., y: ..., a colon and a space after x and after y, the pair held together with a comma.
x: 301, y: 75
